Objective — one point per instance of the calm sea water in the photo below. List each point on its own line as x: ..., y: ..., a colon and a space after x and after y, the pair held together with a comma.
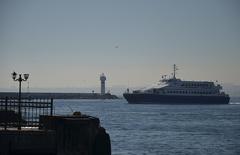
x: 163, y: 129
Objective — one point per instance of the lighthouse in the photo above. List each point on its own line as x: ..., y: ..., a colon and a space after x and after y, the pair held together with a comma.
x: 102, y: 79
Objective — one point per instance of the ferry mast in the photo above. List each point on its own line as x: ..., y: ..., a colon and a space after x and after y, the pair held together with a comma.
x: 174, y: 71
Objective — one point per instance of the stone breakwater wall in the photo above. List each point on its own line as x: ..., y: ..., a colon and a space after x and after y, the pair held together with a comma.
x: 59, y: 95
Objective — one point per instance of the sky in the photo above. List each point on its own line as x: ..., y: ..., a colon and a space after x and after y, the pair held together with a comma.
x: 69, y: 43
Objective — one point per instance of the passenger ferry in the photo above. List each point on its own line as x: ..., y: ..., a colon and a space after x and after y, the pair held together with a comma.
x: 176, y: 91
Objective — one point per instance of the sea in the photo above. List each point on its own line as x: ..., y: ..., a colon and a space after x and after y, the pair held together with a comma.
x: 150, y: 129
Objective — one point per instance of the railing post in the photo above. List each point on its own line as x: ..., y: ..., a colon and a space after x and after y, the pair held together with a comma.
x: 5, y: 119
x: 51, y: 106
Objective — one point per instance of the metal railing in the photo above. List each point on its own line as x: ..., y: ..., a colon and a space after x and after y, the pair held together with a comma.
x: 31, y: 109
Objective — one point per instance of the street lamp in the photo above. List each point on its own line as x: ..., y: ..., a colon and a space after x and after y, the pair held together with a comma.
x: 19, y: 79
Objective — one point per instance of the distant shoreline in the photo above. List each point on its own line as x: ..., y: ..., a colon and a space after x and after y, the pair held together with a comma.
x: 59, y: 95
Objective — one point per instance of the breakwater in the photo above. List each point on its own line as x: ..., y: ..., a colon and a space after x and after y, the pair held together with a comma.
x: 59, y: 95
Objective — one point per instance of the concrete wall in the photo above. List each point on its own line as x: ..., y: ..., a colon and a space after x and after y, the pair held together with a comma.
x: 75, y: 135
x: 27, y: 142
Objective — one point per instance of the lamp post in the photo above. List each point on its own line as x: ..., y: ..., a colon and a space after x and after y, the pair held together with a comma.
x: 19, y: 79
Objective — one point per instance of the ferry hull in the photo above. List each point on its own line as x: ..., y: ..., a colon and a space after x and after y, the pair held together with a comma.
x: 174, y: 99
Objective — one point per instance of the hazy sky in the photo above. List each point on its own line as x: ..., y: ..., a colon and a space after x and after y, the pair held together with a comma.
x: 69, y: 43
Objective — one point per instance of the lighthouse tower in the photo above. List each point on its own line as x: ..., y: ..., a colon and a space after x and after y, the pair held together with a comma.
x: 102, y: 79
